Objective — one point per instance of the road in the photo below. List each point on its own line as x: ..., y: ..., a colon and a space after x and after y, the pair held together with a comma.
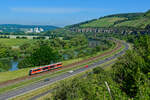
x: 52, y: 90
x: 40, y: 84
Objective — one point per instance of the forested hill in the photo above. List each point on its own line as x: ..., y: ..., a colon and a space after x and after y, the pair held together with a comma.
x: 117, y: 22
x: 25, y: 28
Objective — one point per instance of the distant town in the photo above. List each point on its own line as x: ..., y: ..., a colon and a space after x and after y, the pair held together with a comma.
x: 33, y: 30
x: 25, y: 28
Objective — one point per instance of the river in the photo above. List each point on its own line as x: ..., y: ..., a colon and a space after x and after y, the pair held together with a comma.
x: 14, y: 65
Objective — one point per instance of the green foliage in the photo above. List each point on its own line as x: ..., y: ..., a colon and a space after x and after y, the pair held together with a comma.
x: 43, y: 55
x: 127, y: 15
x: 137, y: 23
x: 39, y: 37
x: 144, y: 90
x: 127, y: 72
x: 92, y: 87
x: 4, y: 51
x: 1, y: 67
x: 5, y: 54
x: 104, y: 22
x: 128, y: 80
x: 142, y: 46
x: 16, y: 42
x: 7, y: 37
x: 77, y: 46
x: 132, y: 69
x: 98, y: 70
x: 4, y: 64
x: 147, y: 13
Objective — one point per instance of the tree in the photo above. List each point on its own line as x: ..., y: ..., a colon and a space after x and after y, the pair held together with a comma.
x: 44, y: 55
x: 128, y: 74
x: 4, y: 51
x: 91, y: 87
x: 1, y: 67
x: 142, y: 47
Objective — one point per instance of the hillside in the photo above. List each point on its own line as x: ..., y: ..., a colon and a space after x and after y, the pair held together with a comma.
x: 132, y: 20
x: 25, y: 28
x: 103, y: 22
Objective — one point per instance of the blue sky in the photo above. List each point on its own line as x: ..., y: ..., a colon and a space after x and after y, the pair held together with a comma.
x: 64, y: 12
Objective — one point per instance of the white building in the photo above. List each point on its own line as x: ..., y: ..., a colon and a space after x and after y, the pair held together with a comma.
x: 29, y: 31
x: 36, y: 30
x: 41, y: 29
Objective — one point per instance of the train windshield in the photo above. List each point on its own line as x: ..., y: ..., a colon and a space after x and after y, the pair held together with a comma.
x: 30, y: 72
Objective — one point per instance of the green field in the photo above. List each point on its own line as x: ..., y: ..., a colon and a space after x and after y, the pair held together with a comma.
x: 15, y: 42
x: 104, y: 22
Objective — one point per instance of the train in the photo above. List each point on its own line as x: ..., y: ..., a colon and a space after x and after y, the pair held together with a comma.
x: 45, y: 68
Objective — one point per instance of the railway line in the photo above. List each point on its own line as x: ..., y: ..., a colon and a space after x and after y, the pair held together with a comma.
x: 27, y: 77
x: 40, y: 84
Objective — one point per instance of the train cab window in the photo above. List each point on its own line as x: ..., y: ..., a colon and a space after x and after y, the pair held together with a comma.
x: 30, y: 72
x: 45, y: 68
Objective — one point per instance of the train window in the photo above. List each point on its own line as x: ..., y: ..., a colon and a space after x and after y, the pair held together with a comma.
x: 53, y: 66
x: 45, y: 68
x: 37, y: 70
x: 59, y: 64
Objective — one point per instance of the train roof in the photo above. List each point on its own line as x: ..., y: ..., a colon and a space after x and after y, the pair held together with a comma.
x: 45, y: 66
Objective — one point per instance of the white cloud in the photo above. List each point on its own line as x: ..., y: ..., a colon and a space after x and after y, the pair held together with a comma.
x: 57, y: 10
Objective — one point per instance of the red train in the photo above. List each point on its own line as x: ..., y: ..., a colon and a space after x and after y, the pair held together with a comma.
x: 45, y: 68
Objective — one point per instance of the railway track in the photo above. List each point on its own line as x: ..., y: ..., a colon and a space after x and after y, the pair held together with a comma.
x: 38, y: 85
x: 9, y: 82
